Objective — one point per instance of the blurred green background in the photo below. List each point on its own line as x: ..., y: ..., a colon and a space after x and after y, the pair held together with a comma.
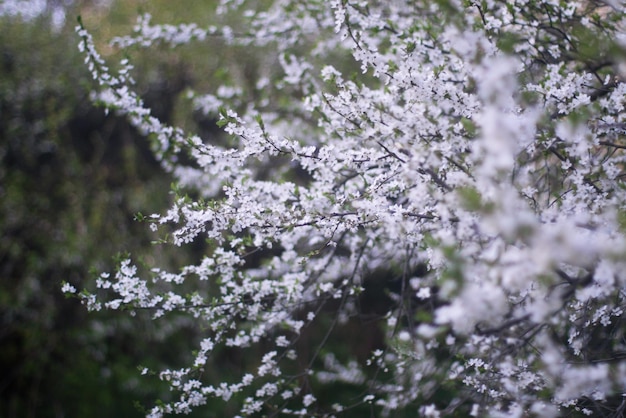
x: 71, y: 181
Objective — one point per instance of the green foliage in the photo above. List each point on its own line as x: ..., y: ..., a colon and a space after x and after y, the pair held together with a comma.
x: 471, y: 199
x: 71, y: 180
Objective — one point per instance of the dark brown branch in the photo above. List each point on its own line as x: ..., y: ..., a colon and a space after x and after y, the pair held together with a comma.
x: 503, y: 326
x: 612, y: 144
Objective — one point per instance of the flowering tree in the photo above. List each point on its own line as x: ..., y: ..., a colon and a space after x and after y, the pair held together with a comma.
x: 477, y: 158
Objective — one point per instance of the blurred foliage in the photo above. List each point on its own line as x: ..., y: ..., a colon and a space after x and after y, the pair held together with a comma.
x: 71, y: 180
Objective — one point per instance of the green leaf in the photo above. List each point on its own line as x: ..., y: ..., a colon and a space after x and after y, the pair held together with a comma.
x: 470, y: 198
x: 469, y: 126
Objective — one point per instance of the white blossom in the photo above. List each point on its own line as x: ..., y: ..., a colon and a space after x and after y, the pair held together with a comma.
x: 476, y: 155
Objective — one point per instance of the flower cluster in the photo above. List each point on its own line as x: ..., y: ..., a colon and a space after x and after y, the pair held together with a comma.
x: 473, y: 150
